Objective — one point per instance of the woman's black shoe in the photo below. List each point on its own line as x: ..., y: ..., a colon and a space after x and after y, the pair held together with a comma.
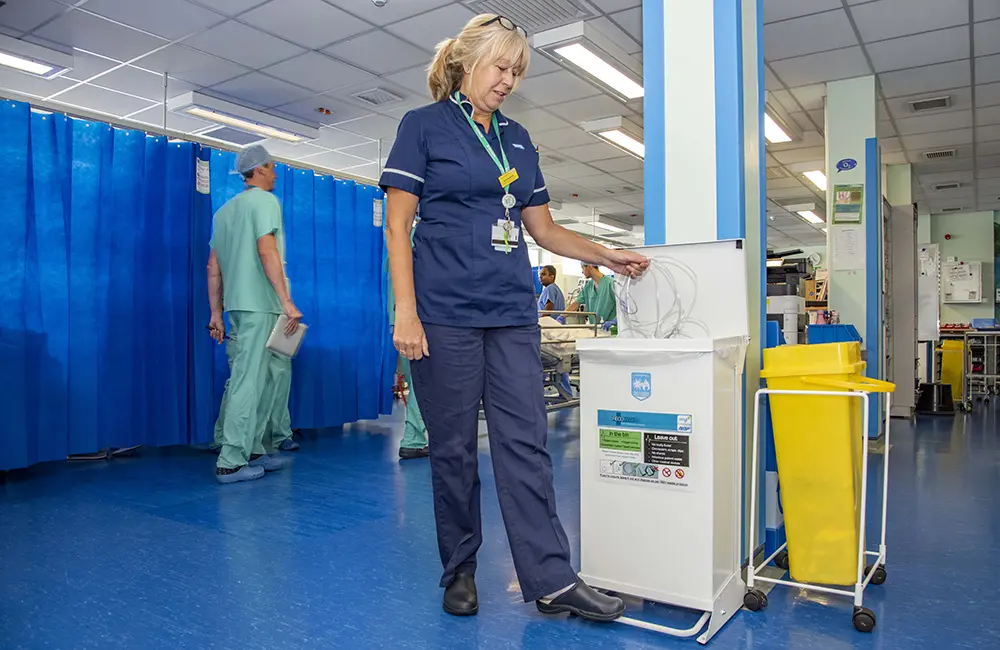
x: 460, y: 598
x: 584, y: 602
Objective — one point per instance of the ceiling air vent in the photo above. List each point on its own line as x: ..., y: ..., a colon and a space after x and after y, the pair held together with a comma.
x: 941, y: 187
x: 932, y: 104
x: 377, y: 97
x: 952, y: 209
x: 534, y: 15
x: 939, y: 154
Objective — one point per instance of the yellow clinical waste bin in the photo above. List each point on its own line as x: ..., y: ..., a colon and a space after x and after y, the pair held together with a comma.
x: 819, y: 447
x: 953, y: 367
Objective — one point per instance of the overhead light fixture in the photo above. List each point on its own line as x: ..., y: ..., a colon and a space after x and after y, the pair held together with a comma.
x: 582, y: 49
x: 807, y: 212
x: 33, y: 59
x: 823, y: 229
x: 775, y: 263
x: 620, y: 132
x: 611, y: 225
x: 811, y: 216
x: 242, y: 118
x: 818, y: 179
x: 778, y: 125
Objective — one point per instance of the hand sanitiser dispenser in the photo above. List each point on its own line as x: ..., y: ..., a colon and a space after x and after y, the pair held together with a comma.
x: 661, y: 437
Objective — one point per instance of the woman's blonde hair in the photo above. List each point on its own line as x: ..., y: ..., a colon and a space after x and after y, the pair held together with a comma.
x: 477, y: 43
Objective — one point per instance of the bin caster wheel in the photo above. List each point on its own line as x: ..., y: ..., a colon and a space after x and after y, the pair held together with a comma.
x: 755, y: 600
x: 864, y: 619
x: 880, y: 575
x: 781, y: 560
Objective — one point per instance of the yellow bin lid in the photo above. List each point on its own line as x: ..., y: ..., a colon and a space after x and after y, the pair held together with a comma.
x: 819, y: 359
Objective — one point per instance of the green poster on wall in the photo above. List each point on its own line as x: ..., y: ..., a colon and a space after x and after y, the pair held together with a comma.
x: 847, y: 203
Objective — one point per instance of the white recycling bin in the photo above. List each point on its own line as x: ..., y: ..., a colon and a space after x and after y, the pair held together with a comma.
x: 661, y: 440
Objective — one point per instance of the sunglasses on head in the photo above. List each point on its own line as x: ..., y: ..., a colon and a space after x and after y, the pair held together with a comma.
x: 506, y: 23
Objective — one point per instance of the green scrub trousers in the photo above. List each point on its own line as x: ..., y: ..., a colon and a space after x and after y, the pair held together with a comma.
x: 253, y: 418
x: 415, y: 433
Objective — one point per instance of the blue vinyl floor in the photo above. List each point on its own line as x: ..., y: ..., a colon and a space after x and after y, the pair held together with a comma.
x: 148, y: 552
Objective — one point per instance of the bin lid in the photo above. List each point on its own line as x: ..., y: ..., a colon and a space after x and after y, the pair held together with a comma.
x: 711, y: 281
x: 814, y: 359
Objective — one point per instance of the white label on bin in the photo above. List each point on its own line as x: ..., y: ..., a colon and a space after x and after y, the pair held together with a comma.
x: 650, y: 448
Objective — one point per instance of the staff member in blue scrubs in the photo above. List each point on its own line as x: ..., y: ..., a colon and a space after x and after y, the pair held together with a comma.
x: 466, y: 314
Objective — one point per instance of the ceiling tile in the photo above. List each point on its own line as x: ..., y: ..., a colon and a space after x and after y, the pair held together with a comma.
x: 569, y: 171
x: 891, y: 18
x: 105, y: 101
x: 988, y: 133
x: 925, y: 79
x: 392, y: 12
x: 988, y: 94
x: 429, y: 29
x: 153, y: 116
x: 541, y: 64
x: 985, y: 9
x: 230, y: 7
x: 939, y: 166
x: 961, y: 99
x: 87, y: 65
x: 77, y: 29
x: 171, y: 19
x: 145, y: 84
x: 261, y: 90
x: 770, y: 81
x: 244, y: 45
x: 26, y: 15
x: 306, y: 110
x: 815, y: 155
x: 615, y: 34
x: 562, y: 138
x: 414, y: 79
x: 395, y: 109
x: 378, y: 52
x: 988, y: 69
x: 810, y: 97
x: 634, y: 177
x: 929, y: 180
x: 335, y: 160
x: 884, y: 129
x: 29, y: 84
x: 820, y: 68
x: 939, y: 139
x: 591, y: 108
x: 921, y: 49
x: 802, y: 120
x: 373, y: 126
x: 784, y: 9
x: 785, y: 100
x: 291, y: 150
x: 556, y: 88
x: 891, y: 145
x: 369, y: 150
x: 937, y: 122
x: 331, y: 137
x: 816, y: 33
x: 988, y: 149
x: 592, y: 152
x: 989, y: 167
x: 318, y: 72
x: 987, y: 37
x: 631, y: 21
x: 617, y: 165
x: 538, y: 119
x: 369, y: 171
x: 989, y: 115
x: 192, y: 66
x: 310, y: 23
x: 611, y: 6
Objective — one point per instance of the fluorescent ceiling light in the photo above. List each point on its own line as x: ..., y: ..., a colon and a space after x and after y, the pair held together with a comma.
x: 811, y: 216
x: 773, y: 263
x: 33, y: 59
x: 620, y: 132
x: 774, y: 133
x: 611, y: 225
x: 588, y: 53
x: 242, y: 118
x: 818, y: 179
x: 823, y: 229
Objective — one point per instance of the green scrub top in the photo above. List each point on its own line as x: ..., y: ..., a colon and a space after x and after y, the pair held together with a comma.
x: 600, y: 299
x: 236, y: 228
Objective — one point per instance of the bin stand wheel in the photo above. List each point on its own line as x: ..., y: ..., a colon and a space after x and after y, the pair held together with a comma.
x: 755, y: 600
x: 880, y: 575
x: 781, y: 560
x: 864, y: 619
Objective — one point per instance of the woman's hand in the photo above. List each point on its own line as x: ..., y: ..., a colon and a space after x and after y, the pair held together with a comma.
x: 626, y: 262
x: 409, y: 338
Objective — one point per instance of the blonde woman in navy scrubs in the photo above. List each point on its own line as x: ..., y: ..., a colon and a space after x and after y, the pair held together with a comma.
x: 466, y: 314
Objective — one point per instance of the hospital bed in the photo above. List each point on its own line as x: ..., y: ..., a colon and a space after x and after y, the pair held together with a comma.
x: 560, y: 362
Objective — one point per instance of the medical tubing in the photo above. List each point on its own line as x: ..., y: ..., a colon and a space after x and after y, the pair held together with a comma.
x: 668, y: 322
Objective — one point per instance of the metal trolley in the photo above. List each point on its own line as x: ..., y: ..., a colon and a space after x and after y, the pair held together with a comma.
x: 980, y: 367
x: 874, y: 573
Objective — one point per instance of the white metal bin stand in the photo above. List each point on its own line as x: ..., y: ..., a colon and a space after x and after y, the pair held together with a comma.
x: 864, y: 619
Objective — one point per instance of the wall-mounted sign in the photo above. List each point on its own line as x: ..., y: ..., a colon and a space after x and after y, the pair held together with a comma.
x: 847, y: 202
x: 846, y: 164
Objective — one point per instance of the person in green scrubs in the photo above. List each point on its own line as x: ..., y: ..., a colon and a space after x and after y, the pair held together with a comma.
x: 246, y: 279
x: 597, y: 295
x: 414, y: 442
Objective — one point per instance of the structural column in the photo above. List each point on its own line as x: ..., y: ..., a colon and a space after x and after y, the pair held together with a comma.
x: 854, y: 219
x: 703, y: 130
x: 902, y: 270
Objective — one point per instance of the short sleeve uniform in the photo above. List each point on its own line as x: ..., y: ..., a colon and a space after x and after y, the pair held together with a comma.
x: 460, y: 279
x: 600, y: 299
x: 236, y: 228
x: 552, y: 293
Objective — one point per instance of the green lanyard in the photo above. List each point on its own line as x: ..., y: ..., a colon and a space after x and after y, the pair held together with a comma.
x: 504, y: 167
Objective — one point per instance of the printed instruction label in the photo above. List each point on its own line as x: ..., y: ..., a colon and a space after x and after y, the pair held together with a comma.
x: 653, y: 448
x: 377, y: 213
x: 203, y: 178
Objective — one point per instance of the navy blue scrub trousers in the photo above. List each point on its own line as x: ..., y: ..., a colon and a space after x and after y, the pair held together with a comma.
x: 502, y: 369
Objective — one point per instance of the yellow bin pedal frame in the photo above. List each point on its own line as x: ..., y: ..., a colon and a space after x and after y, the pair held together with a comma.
x: 855, y: 389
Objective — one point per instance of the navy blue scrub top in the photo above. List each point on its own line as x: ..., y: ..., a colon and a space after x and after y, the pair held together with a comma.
x: 459, y: 278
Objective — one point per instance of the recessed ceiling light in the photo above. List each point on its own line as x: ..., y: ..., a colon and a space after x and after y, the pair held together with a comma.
x: 33, y: 59
x: 583, y: 49
x: 242, y: 118
x: 620, y: 132
x: 774, y: 133
x: 810, y: 216
x: 818, y: 179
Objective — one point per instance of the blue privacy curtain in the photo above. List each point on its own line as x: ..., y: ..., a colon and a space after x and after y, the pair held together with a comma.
x: 104, y: 301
